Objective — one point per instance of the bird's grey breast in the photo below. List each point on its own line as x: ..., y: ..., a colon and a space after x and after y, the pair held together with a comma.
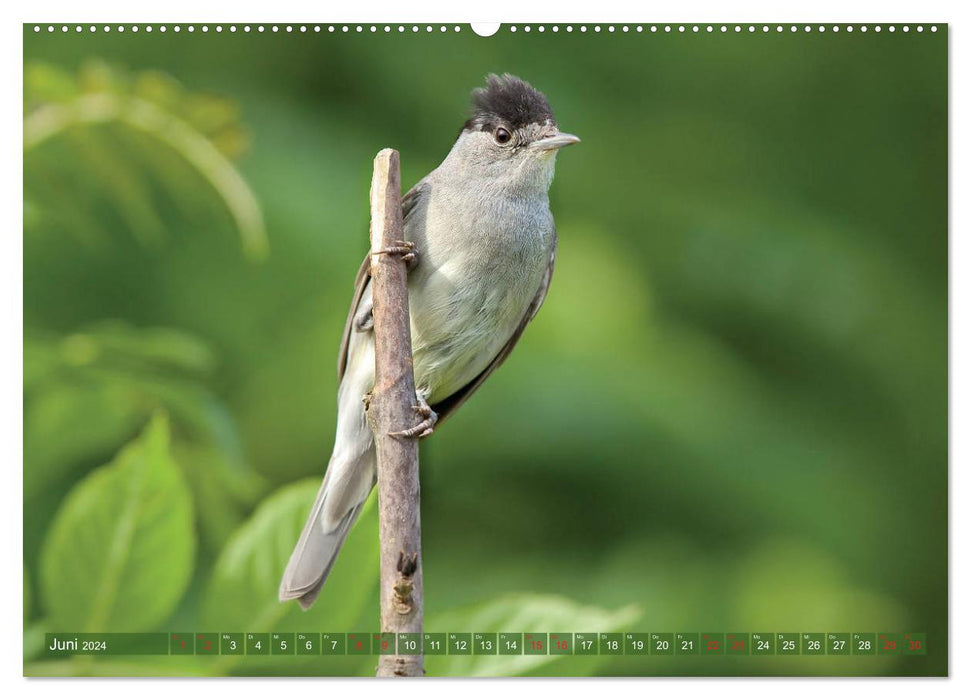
x: 482, y: 253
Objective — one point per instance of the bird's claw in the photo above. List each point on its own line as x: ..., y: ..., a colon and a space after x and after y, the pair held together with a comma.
x: 406, y: 249
x: 426, y: 427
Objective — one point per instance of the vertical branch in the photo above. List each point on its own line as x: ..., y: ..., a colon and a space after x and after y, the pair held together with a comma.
x: 391, y: 409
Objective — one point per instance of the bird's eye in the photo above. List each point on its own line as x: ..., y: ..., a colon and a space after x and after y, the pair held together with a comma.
x: 502, y: 136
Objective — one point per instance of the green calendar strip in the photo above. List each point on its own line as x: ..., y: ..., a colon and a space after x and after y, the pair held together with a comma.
x: 281, y: 644
x: 63, y: 644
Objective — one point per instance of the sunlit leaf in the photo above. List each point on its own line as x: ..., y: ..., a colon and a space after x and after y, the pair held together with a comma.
x: 120, y: 552
x: 242, y: 593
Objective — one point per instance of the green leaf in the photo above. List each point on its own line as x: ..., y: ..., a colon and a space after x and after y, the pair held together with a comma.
x: 524, y: 612
x: 120, y: 552
x: 242, y: 593
x: 74, y: 155
x: 115, y: 343
x: 223, y: 490
x: 95, y: 388
x: 70, y: 424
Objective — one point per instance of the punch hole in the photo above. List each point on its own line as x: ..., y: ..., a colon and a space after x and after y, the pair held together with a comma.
x: 485, y: 28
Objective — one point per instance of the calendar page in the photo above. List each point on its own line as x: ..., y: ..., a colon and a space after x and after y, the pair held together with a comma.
x: 648, y: 322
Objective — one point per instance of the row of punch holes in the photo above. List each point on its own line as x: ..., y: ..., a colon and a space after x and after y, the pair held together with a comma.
x: 387, y: 29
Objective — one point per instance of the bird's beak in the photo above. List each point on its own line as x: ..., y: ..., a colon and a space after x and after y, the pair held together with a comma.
x: 555, y: 141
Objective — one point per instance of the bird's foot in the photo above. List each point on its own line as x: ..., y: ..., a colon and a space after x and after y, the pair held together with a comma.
x: 406, y: 249
x: 426, y: 427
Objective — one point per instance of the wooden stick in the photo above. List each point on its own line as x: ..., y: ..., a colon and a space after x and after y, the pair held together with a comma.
x: 391, y: 409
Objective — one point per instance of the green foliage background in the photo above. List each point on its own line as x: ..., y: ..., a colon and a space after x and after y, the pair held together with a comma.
x: 731, y: 413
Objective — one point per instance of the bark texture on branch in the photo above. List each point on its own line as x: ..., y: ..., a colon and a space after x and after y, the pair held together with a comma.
x: 392, y: 409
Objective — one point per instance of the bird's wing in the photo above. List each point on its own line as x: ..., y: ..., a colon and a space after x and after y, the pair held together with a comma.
x: 363, y: 279
x: 449, y: 405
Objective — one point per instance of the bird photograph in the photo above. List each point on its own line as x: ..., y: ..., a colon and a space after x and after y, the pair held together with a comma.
x: 668, y: 401
x: 482, y: 223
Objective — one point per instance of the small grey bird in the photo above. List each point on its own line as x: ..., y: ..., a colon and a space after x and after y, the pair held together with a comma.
x: 481, y: 243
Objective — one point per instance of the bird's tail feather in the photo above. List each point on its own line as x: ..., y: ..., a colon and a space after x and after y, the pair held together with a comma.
x: 318, y: 546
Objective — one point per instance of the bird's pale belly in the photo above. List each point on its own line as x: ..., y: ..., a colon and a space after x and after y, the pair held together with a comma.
x: 458, y: 329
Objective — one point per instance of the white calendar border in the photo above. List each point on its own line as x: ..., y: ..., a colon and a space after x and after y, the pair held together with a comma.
x: 603, y: 11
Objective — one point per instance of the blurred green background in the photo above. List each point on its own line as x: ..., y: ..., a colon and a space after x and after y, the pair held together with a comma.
x: 730, y: 415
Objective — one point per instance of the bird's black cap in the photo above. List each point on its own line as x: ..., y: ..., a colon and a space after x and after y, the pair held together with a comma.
x: 509, y: 100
